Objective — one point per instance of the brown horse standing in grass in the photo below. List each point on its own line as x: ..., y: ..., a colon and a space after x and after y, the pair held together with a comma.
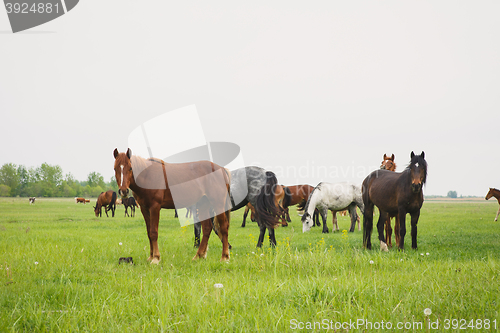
x: 389, y: 164
x: 155, y: 183
x: 394, y: 193
x: 108, y: 201
x: 493, y: 192
x: 296, y: 195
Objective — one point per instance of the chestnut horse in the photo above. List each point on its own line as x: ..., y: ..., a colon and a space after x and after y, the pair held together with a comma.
x: 394, y: 193
x: 389, y: 164
x: 493, y: 192
x: 155, y: 183
x: 108, y: 201
x: 296, y: 195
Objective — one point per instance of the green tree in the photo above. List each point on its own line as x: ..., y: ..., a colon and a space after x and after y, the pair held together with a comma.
x: 4, y: 190
x: 452, y: 194
x: 50, y: 178
x: 9, y: 177
x: 95, y: 179
x: 112, y: 185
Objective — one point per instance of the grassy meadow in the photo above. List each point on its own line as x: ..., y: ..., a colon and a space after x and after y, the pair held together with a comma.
x: 59, y: 272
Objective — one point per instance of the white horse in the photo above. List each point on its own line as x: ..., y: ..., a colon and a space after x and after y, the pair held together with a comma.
x: 334, y: 197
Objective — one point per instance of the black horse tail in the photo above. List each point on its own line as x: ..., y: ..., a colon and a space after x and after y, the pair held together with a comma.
x: 287, y: 199
x: 266, y: 209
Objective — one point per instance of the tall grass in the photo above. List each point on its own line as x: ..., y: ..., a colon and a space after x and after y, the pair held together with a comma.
x: 59, y: 271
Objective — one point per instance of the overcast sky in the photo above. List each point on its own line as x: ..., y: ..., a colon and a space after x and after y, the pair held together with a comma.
x: 315, y: 91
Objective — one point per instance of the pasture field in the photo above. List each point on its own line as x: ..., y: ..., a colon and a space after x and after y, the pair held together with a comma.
x: 59, y: 272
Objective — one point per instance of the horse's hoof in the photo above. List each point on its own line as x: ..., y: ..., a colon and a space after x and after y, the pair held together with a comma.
x: 383, y: 247
x: 155, y: 261
x: 224, y: 259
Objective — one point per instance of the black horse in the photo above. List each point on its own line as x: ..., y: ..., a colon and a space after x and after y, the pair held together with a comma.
x: 394, y: 193
x: 129, y: 202
x: 260, y: 188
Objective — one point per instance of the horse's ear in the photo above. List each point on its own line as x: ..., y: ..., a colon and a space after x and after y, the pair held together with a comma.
x: 412, y: 155
x: 385, y: 157
x: 129, y: 153
x: 392, y: 157
x: 423, y: 154
x: 115, y: 153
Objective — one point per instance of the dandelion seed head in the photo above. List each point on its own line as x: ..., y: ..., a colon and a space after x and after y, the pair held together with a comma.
x: 427, y: 312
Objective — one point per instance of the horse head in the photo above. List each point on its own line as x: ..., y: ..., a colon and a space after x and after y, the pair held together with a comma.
x: 490, y: 194
x: 418, y: 171
x: 388, y: 163
x: 307, y: 222
x: 123, y: 171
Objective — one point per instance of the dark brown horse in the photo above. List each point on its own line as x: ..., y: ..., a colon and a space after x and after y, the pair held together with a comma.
x: 394, y: 193
x: 156, y: 184
x: 493, y: 192
x: 129, y: 202
x: 108, y: 201
x: 389, y: 164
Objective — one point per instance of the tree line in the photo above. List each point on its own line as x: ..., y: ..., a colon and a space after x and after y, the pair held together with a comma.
x: 48, y: 181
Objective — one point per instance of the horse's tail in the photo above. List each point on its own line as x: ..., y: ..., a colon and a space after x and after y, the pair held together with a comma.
x: 302, y: 204
x: 288, y: 198
x: 265, y: 207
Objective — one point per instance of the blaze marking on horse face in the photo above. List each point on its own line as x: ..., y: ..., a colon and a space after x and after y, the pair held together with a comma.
x: 416, y: 164
x: 121, y: 182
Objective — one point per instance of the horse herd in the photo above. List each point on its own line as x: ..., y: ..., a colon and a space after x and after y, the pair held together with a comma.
x: 212, y: 192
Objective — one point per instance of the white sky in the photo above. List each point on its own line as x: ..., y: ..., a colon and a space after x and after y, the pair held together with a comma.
x: 313, y: 91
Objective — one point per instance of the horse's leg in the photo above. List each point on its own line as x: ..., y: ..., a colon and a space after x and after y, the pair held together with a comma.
x: 287, y: 215
x: 402, y: 228
x: 206, y: 226
x: 380, y: 227
x: 324, y: 215
x: 261, y: 235
x: 245, y: 216
x: 388, y: 231
x: 496, y: 217
x: 272, y: 237
x: 368, y: 226
x: 126, y: 211
x: 197, y: 232
x: 354, y: 216
x: 154, y: 220
x: 335, y: 222
x: 414, y: 221
x: 106, y: 210
x: 223, y: 220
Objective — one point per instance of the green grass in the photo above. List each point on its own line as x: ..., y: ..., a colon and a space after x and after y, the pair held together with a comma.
x: 59, y: 272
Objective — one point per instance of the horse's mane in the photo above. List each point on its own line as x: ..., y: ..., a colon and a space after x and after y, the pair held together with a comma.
x: 310, y: 197
x: 421, y: 163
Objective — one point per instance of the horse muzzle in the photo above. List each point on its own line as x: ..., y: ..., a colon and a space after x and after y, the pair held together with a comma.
x: 416, y: 187
x: 123, y: 193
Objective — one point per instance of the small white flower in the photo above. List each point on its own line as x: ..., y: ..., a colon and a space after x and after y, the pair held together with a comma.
x: 36, y: 262
x: 371, y: 262
x: 120, y: 243
x: 253, y: 252
x: 401, y: 259
x: 218, y: 285
x: 422, y: 254
x: 261, y: 254
x: 427, y: 253
x: 427, y: 312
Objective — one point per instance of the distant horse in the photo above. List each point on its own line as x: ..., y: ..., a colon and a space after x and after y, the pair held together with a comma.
x: 129, y: 202
x: 335, y: 197
x: 389, y: 164
x: 204, y: 184
x: 259, y: 187
x: 394, y: 193
x: 81, y: 200
x: 493, y: 192
x: 108, y: 201
x: 32, y: 200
